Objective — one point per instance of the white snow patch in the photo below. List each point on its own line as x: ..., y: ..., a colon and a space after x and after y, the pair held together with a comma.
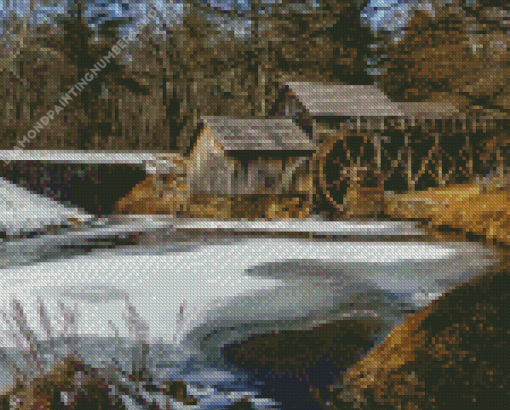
x: 23, y: 212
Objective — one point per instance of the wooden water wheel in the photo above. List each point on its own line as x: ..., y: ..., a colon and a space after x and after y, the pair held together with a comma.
x: 346, y: 165
x: 352, y: 170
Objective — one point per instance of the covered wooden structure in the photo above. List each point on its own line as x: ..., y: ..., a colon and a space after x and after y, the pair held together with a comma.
x: 248, y: 163
x: 366, y: 142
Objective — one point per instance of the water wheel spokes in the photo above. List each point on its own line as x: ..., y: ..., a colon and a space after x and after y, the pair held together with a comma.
x: 424, y: 166
x: 450, y: 174
x: 343, y: 164
x: 336, y: 174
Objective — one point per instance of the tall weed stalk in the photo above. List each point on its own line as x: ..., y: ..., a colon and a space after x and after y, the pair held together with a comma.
x: 139, y: 332
x: 24, y: 337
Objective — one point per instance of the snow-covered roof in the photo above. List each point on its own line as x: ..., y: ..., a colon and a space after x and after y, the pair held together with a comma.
x: 81, y: 157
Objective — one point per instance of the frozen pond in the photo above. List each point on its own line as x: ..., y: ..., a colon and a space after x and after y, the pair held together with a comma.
x: 227, y: 271
x: 189, y: 286
x: 158, y: 277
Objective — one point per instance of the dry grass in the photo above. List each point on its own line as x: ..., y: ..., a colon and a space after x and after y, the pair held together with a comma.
x: 363, y: 202
x: 465, y: 207
x: 147, y: 198
x: 168, y: 193
x: 74, y: 382
x: 151, y: 197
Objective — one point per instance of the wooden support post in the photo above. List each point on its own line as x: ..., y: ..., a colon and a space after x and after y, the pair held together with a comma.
x: 442, y: 182
x: 377, y: 143
x: 410, y: 184
x: 470, y: 157
x: 311, y: 197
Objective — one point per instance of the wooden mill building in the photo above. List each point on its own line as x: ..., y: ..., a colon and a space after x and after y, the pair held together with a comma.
x: 249, y: 162
x: 365, y: 140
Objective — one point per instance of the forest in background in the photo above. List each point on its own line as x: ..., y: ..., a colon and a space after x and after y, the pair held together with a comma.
x: 161, y: 84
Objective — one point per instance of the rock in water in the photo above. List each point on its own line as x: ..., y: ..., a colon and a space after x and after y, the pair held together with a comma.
x: 243, y: 404
x: 451, y: 355
x: 178, y: 391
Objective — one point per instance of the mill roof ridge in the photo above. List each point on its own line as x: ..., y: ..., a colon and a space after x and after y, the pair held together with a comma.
x: 254, y: 134
x: 329, y: 99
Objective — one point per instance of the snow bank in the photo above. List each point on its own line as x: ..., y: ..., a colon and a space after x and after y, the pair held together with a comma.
x: 23, y: 212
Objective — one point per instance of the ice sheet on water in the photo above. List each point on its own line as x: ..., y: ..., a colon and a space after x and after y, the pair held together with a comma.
x: 261, y: 279
x: 23, y: 212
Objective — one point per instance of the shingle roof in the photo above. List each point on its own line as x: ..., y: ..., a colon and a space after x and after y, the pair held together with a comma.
x: 322, y: 99
x: 429, y: 108
x: 343, y: 100
x: 238, y: 134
